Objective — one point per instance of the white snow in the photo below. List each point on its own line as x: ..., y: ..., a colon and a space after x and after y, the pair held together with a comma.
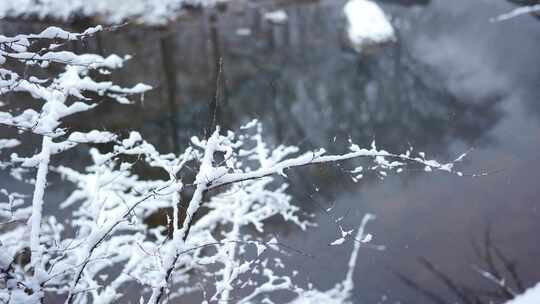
x: 367, y: 24
x: 278, y: 17
x: 317, y: 157
x: 8, y: 143
x: 530, y: 296
x: 338, y: 242
x: 93, y: 136
x: 517, y: 12
x: 243, y: 31
x: 37, y: 207
x: 153, y: 12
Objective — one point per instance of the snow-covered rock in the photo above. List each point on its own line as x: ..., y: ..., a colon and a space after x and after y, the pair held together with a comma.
x: 367, y: 25
x: 530, y: 296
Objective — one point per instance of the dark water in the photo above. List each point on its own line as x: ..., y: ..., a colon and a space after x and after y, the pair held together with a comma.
x: 453, y: 82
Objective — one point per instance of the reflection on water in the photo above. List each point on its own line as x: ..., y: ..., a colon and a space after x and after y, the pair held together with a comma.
x: 453, y: 81
x: 492, y: 265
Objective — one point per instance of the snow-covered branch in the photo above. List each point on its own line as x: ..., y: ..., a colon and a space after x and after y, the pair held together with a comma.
x: 54, y: 95
x: 106, y: 243
x: 524, y: 10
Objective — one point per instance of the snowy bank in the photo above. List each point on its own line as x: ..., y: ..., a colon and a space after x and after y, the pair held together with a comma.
x: 151, y: 12
x: 530, y: 296
x: 367, y: 24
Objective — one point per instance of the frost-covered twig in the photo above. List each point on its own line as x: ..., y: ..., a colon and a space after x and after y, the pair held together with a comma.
x: 212, y: 175
x: 319, y: 157
x: 341, y: 293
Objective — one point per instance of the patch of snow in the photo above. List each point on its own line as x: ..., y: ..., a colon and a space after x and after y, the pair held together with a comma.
x: 93, y: 136
x: 338, y: 242
x: 367, y: 24
x: 530, y: 296
x: 243, y: 31
x: 277, y: 17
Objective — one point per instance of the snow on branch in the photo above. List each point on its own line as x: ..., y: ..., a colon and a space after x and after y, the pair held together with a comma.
x: 232, y: 171
x: 55, y: 96
x: 517, y: 12
x: 105, y: 241
x: 342, y: 292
